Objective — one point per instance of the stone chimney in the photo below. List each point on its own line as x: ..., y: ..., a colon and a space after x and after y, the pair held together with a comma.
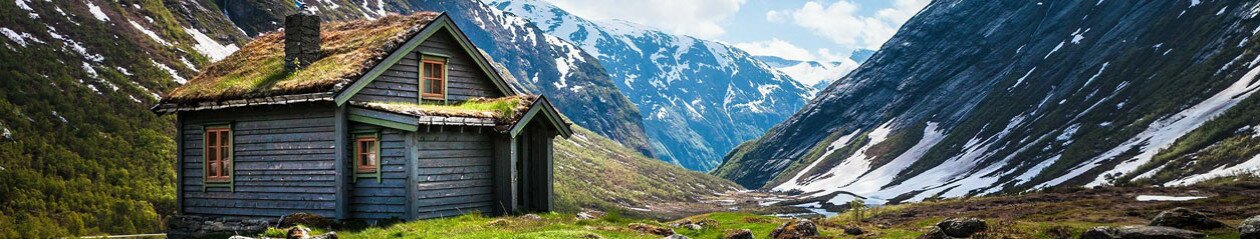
x: 301, y: 40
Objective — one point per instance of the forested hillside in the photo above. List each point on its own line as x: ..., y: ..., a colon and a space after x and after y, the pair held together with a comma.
x: 81, y: 154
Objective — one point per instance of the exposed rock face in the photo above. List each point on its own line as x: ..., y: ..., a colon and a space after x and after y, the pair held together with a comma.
x: 1250, y: 228
x: 796, y: 229
x: 198, y: 226
x: 1184, y: 218
x: 983, y: 97
x: 650, y: 229
x: 853, y: 230
x: 935, y: 233
x: 962, y: 227
x: 1140, y: 232
x: 739, y: 234
x: 677, y: 236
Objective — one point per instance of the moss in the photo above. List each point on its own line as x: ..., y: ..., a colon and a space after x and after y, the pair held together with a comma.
x: 257, y: 69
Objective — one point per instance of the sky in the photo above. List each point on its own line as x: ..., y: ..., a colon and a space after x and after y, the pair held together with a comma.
x: 821, y: 30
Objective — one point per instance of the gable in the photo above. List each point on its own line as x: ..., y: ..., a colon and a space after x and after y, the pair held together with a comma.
x: 400, y: 82
x: 469, y: 73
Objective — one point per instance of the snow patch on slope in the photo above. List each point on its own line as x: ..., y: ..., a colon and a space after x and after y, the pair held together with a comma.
x: 1164, y: 132
x: 96, y: 11
x: 149, y: 33
x: 209, y: 47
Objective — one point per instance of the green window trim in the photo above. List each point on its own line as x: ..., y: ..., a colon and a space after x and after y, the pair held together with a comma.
x: 376, y: 135
x: 230, y: 183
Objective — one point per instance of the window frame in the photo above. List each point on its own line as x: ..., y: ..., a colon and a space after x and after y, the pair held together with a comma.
x: 229, y: 159
x: 442, y: 62
x: 375, y: 137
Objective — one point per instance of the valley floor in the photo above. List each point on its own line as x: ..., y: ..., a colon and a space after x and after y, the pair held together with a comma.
x: 1063, y: 213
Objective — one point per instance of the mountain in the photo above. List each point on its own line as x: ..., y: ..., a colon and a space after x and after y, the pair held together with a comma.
x: 81, y: 154
x: 984, y: 97
x: 700, y: 98
x: 815, y: 74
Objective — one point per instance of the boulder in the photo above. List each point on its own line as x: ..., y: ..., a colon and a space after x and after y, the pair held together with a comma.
x: 935, y: 233
x: 1184, y: 218
x: 962, y: 227
x: 1140, y: 232
x: 590, y: 215
x: 531, y: 216
x: 696, y: 227
x: 853, y: 230
x: 739, y: 234
x: 1250, y: 228
x: 650, y: 229
x: 307, y: 219
x: 677, y: 236
x: 796, y: 229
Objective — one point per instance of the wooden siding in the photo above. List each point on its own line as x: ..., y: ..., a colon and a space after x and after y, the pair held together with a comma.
x: 400, y: 83
x: 385, y: 198
x: 284, y: 162
x: 454, y: 173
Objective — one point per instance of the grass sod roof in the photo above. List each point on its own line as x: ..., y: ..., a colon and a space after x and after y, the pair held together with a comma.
x: 505, y: 111
x: 257, y: 70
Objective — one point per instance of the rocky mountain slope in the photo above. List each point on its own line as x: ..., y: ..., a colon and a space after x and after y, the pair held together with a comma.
x: 983, y: 97
x: 83, y: 155
x: 699, y: 98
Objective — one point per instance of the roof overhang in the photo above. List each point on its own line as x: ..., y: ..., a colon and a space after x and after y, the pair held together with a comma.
x: 166, y: 108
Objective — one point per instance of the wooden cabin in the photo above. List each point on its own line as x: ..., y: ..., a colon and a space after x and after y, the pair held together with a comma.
x: 396, y: 118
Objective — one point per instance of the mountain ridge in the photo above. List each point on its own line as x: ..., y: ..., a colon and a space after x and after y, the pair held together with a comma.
x: 700, y: 98
x: 975, y: 98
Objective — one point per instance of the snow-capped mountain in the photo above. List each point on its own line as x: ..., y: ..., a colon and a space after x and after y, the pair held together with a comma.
x: 815, y: 74
x: 982, y: 97
x: 699, y: 98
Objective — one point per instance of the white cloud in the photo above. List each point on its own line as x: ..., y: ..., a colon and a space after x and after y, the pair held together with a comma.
x: 840, y: 22
x: 776, y: 47
x: 700, y: 18
x: 776, y: 16
x: 787, y: 50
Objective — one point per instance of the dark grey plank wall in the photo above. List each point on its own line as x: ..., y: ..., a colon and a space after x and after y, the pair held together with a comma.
x: 385, y: 198
x: 283, y: 156
x: 454, y: 172
x: 400, y: 83
x: 464, y: 78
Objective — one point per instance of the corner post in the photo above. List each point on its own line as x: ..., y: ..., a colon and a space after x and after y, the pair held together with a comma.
x: 412, y: 178
x: 505, y: 174
x: 341, y: 163
x: 179, y: 163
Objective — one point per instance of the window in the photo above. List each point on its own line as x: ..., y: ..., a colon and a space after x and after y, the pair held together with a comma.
x: 433, y: 79
x: 366, y: 151
x: 218, y: 154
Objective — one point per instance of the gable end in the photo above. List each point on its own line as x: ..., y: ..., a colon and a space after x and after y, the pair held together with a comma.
x: 442, y: 23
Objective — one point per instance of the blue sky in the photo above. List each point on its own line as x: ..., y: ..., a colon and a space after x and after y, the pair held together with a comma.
x: 796, y: 29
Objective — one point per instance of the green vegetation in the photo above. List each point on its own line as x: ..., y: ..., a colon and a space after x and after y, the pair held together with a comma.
x: 598, y: 173
x: 500, y: 108
x: 82, y: 155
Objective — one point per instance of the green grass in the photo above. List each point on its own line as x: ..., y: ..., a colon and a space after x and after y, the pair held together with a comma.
x: 499, y: 107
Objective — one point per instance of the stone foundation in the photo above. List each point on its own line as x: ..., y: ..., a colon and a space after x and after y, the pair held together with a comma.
x: 179, y: 227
